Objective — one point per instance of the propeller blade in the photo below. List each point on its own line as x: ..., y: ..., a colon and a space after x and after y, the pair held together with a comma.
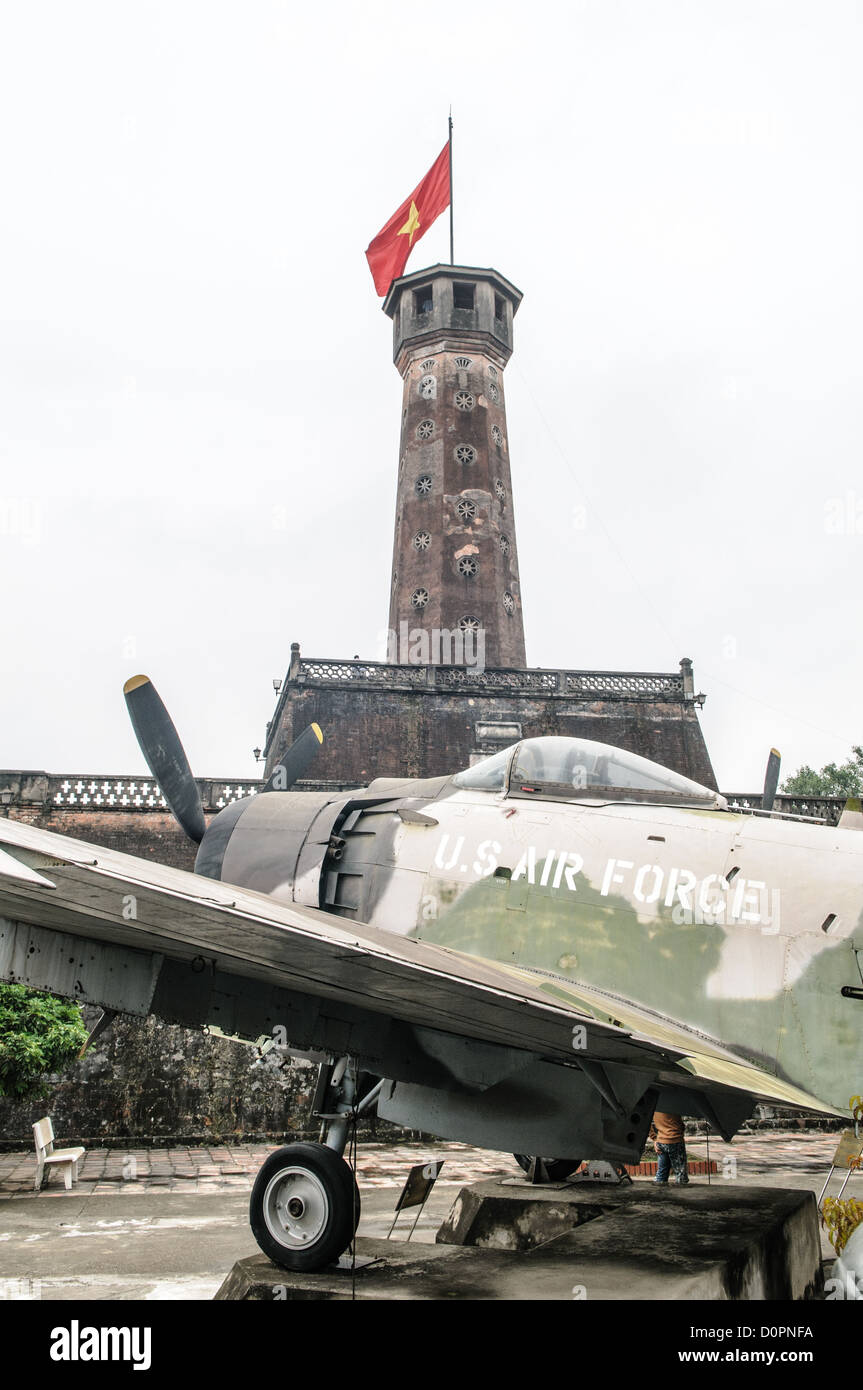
x: 295, y: 760
x: 771, y: 780
x: 164, y: 755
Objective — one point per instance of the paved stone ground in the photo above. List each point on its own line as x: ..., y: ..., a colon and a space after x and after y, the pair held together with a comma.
x: 749, y: 1158
x: 111, y: 1171
x: 170, y: 1226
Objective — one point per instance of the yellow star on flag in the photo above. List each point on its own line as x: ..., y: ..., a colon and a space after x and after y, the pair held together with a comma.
x: 412, y: 224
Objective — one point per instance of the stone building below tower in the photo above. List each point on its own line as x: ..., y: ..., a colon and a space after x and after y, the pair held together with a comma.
x: 383, y: 720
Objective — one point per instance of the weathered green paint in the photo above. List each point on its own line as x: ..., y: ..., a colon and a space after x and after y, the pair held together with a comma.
x: 790, y: 1021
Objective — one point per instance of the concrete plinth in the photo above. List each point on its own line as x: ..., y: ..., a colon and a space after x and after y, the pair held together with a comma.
x: 507, y: 1240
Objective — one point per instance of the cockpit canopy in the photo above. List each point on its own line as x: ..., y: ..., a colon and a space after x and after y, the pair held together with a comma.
x: 579, y: 769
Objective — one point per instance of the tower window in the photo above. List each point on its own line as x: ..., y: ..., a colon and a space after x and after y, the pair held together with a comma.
x: 496, y: 435
x: 463, y: 400
x: 462, y: 363
x: 463, y: 296
x: 493, y: 393
x: 423, y: 485
x: 500, y: 308
x: 500, y: 490
x: 465, y: 453
x: 509, y: 602
x: 468, y: 566
x: 503, y: 542
x: 422, y: 540
x: 419, y: 598
x: 425, y: 429
x: 428, y: 387
x: 423, y: 301
x: 466, y: 508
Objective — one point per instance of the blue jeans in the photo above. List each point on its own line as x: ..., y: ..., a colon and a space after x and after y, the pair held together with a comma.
x: 671, y: 1156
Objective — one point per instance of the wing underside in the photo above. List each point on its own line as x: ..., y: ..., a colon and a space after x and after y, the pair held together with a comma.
x: 110, y: 929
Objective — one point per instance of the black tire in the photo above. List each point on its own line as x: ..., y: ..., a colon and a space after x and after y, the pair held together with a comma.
x: 558, y: 1169
x: 326, y: 1207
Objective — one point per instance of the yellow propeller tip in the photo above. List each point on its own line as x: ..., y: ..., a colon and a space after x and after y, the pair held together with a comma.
x: 317, y: 731
x: 134, y: 682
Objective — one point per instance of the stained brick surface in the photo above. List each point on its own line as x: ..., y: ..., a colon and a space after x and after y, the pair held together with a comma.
x: 424, y: 733
x: 147, y: 833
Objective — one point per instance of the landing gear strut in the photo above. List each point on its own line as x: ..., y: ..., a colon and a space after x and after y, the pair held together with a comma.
x: 547, y: 1169
x: 305, y: 1203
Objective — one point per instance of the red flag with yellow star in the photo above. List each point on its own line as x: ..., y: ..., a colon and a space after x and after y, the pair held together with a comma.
x: 387, y: 254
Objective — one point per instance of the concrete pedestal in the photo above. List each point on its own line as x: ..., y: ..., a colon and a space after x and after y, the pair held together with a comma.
x: 508, y: 1240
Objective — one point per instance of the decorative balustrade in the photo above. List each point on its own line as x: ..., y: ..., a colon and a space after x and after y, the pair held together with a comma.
x: 138, y: 793
x: 361, y: 673
x: 643, y: 684
x: 462, y: 677
x: 609, y: 685
x: 75, y: 792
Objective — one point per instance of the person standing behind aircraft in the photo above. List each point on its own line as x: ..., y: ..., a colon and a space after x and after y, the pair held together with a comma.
x: 668, y: 1138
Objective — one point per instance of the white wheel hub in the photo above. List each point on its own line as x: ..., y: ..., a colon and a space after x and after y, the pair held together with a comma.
x: 296, y: 1207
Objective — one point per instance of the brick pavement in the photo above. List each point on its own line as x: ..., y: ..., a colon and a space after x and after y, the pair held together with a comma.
x: 225, y: 1168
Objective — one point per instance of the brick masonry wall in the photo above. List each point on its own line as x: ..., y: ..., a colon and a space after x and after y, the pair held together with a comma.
x: 695, y: 1167
x: 485, y: 536
x: 148, y: 834
x: 148, y: 1079
x: 424, y: 733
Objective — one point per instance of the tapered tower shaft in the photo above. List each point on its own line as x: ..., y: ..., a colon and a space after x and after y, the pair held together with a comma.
x: 455, y: 560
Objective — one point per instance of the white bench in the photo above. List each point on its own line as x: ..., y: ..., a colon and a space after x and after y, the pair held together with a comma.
x: 47, y: 1155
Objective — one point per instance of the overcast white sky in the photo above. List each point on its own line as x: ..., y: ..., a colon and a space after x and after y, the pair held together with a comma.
x: 199, y: 421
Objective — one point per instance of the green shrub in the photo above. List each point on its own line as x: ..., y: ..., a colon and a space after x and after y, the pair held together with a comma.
x: 39, y: 1034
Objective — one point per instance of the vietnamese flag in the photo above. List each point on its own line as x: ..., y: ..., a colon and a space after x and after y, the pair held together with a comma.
x: 387, y: 254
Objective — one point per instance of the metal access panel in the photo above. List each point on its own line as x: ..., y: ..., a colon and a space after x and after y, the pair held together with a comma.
x: 541, y: 1109
x: 116, y: 977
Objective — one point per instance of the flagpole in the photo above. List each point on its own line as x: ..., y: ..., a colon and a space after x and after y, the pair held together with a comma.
x: 451, y: 251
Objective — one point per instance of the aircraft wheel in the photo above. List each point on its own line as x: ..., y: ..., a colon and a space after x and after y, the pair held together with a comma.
x: 305, y: 1207
x: 557, y: 1168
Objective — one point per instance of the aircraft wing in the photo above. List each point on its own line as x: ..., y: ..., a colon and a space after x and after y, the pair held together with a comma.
x: 111, y: 929
x: 99, y: 926
x: 697, y: 1057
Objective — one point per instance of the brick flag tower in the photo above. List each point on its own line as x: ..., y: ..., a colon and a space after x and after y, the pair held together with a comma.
x: 455, y: 581
x: 436, y: 705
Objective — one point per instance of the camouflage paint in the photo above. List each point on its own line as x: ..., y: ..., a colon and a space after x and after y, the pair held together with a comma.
x: 769, y: 991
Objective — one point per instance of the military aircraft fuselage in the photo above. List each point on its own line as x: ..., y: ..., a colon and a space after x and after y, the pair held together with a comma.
x: 745, y: 929
x: 534, y: 955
